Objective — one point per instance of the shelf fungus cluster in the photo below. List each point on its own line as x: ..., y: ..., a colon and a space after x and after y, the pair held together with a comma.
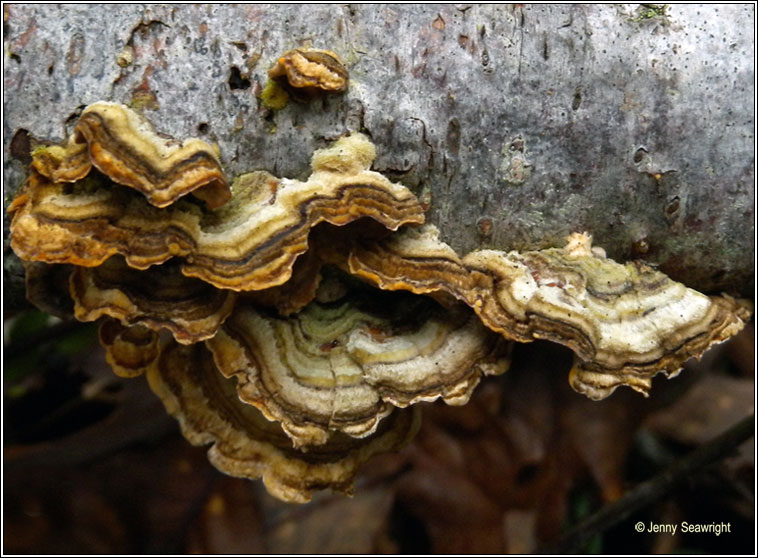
x: 281, y: 322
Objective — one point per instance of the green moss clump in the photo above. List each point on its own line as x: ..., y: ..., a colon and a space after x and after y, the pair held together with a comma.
x: 650, y: 11
x: 39, y: 150
x: 273, y: 96
x: 144, y: 100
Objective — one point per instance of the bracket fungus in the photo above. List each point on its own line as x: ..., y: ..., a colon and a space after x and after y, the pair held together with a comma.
x: 243, y: 442
x: 46, y: 288
x: 128, y: 349
x: 626, y: 323
x: 342, y: 365
x: 158, y: 298
x: 293, y: 371
x: 123, y: 145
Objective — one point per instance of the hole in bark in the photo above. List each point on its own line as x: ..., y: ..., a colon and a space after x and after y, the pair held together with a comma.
x: 517, y: 145
x: 672, y: 209
x: 453, y: 136
x: 577, y: 100
x: 203, y: 128
x: 237, y: 80
x: 639, y: 155
x: 21, y: 146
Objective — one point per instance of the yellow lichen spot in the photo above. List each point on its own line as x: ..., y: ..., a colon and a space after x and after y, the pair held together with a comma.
x: 273, y: 96
x: 144, y: 100
x: 39, y: 150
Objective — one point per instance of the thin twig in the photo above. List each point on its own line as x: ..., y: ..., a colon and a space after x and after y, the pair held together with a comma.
x: 653, y: 490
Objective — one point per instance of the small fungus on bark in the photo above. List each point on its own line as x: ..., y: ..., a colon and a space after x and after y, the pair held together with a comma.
x: 311, y: 69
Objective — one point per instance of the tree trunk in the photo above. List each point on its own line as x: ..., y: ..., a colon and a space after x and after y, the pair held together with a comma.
x: 519, y: 124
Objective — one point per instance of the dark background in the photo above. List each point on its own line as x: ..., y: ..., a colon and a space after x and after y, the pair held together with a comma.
x: 92, y: 464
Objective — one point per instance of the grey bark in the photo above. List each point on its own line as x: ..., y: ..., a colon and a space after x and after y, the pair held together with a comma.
x: 519, y: 124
